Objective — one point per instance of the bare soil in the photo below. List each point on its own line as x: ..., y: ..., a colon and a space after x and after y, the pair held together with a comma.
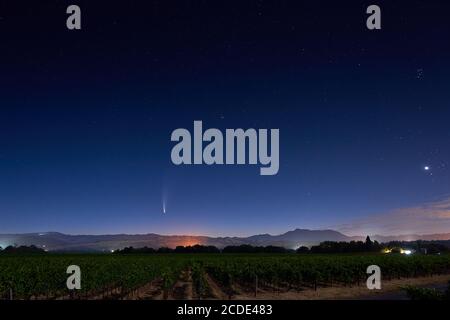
x: 215, y: 290
x: 183, y: 288
x: 151, y: 291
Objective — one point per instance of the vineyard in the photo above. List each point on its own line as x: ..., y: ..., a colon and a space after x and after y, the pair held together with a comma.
x: 44, y: 277
x: 199, y: 276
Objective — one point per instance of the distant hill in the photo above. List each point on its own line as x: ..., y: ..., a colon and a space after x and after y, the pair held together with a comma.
x: 54, y: 241
x: 412, y: 237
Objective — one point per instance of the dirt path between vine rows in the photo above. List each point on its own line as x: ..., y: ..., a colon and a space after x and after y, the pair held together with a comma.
x: 215, y: 290
x: 151, y: 291
x: 183, y: 288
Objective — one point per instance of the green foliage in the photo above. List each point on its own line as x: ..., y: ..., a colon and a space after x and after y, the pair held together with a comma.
x: 311, y: 270
x: 199, y: 280
x: 44, y: 276
x: 416, y: 293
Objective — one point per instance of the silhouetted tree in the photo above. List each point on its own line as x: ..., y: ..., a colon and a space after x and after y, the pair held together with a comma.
x: 22, y: 250
x: 303, y: 249
x: 245, y: 248
x: 369, y: 244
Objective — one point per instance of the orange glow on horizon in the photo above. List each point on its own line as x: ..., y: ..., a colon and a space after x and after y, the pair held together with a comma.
x: 191, y: 241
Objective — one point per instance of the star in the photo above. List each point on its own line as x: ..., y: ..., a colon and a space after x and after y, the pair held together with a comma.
x: 426, y: 168
x: 419, y: 73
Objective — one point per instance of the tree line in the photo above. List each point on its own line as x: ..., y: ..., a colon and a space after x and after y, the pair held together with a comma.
x: 432, y: 247
x: 21, y: 250
x: 344, y: 247
x: 206, y: 249
x: 326, y: 247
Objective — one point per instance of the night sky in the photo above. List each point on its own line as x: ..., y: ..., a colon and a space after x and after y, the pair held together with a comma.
x: 86, y: 116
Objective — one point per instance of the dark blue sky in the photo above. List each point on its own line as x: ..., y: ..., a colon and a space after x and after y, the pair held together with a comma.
x: 86, y: 116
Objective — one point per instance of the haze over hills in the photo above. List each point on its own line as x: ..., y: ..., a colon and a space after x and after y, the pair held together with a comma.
x: 54, y: 241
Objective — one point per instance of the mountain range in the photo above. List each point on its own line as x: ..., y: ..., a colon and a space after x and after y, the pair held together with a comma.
x: 55, y: 241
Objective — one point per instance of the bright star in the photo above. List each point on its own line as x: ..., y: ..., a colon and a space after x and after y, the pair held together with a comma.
x: 427, y: 168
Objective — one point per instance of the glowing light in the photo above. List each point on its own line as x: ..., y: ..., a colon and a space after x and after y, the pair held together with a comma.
x: 191, y: 241
x: 406, y: 251
x: 427, y: 168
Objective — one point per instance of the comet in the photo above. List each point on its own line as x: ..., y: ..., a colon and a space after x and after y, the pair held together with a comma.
x: 164, y: 197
